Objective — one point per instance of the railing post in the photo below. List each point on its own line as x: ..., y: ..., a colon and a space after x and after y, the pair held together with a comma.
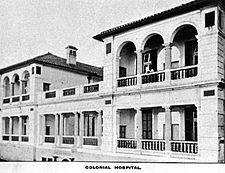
x: 168, y: 120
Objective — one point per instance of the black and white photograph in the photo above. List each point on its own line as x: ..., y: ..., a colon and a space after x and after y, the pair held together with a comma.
x: 112, y: 85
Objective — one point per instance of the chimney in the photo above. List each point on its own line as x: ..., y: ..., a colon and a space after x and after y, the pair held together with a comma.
x: 71, y: 54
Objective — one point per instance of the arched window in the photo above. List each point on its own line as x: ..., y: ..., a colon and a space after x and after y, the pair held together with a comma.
x: 6, y: 86
x: 26, y: 82
x: 16, y: 85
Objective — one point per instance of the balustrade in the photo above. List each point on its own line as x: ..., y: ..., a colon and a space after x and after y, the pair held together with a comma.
x: 153, y: 77
x: 128, y: 81
x: 184, y: 146
x: 158, y: 145
x: 186, y: 72
x: 127, y: 143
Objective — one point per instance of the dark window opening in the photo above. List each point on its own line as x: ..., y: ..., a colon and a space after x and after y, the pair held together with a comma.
x: 108, y: 48
x: 190, y: 124
x: 191, y: 53
x: 46, y: 86
x: 90, y: 124
x: 122, y: 131
x: 32, y: 70
x: 210, y: 19
x: 38, y: 70
x: 147, y: 124
x: 221, y: 19
x: 122, y: 72
x: 150, y: 61
x: 47, y: 130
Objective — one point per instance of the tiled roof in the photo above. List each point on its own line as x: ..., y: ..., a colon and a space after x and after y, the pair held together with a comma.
x: 58, y: 62
x: 184, y: 8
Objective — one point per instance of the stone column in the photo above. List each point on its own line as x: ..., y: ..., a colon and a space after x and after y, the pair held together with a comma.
x: 139, y: 66
x: 168, y: 59
x: 118, y: 123
x: 138, y: 127
x: 20, y: 128
x: 81, y: 129
x: 155, y: 123
x: 168, y: 120
x: 56, y: 128
x: 10, y: 128
x: 41, y: 129
x: 60, y: 128
x: 12, y: 89
x: 99, y: 128
x: 75, y: 128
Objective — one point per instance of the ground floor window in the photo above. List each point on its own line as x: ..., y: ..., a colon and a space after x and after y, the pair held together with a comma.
x: 5, y: 125
x: 147, y: 124
x: 24, y: 125
x: 90, y: 124
x: 122, y: 131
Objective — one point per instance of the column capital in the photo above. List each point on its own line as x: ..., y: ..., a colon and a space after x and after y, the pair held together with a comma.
x: 137, y: 109
x: 168, y: 45
x: 118, y: 110
x: 118, y: 57
x: 138, y: 51
x: 167, y: 107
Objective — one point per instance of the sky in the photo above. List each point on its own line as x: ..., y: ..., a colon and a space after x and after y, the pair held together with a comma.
x: 29, y: 28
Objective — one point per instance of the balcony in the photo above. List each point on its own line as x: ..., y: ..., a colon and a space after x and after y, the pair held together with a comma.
x: 153, y: 77
x: 68, y: 140
x: 127, y: 81
x: 184, y: 146
x: 16, y: 99
x: 127, y: 143
x: 90, y: 140
x: 70, y: 93
x: 156, y: 145
x: 185, y: 72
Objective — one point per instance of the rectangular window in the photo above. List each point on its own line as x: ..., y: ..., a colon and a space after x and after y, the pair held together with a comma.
x: 24, y: 125
x: 89, y: 124
x: 38, y: 70
x: 47, y: 130
x: 147, y: 124
x: 46, y: 86
x: 210, y: 19
x: 108, y: 48
x: 122, y: 131
x: 5, y: 125
x: 32, y: 70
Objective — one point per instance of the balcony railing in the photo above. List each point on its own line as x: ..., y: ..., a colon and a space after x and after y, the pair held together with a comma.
x: 127, y: 143
x: 25, y: 97
x: 68, y: 140
x: 51, y: 94
x: 127, y: 81
x: 16, y: 99
x: 24, y: 138
x: 184, y: 146
x: 49, y: 139
x: 5, y: 137
x: 90, y: 140
x: 158, y: 145
x: 185, y: 72
x: 15, y: 137
x: 153, y: 77
x: 69, y: 92
x: 91, y: 88
x: 6, y: 100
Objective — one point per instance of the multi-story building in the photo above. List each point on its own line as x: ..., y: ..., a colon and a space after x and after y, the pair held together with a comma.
x: 162, y: 94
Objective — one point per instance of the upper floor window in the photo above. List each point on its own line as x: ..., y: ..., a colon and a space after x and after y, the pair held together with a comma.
x: 46, y: 86
x: 210, y: 19
x: 150, y: 61
x: 221, y: 20
x: 108, y: 48
x: 38, y: 70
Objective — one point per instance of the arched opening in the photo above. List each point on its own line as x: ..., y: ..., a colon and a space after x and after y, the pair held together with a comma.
x: 16, y: 85
x: 65, y: 160
x: 26, y: 82
x: 152, y: 48
x: 6, y: 87
x: 127, y: 65
x: 185, y: 39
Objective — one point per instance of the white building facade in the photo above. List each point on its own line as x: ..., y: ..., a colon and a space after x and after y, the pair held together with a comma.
x: 162, y: 94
